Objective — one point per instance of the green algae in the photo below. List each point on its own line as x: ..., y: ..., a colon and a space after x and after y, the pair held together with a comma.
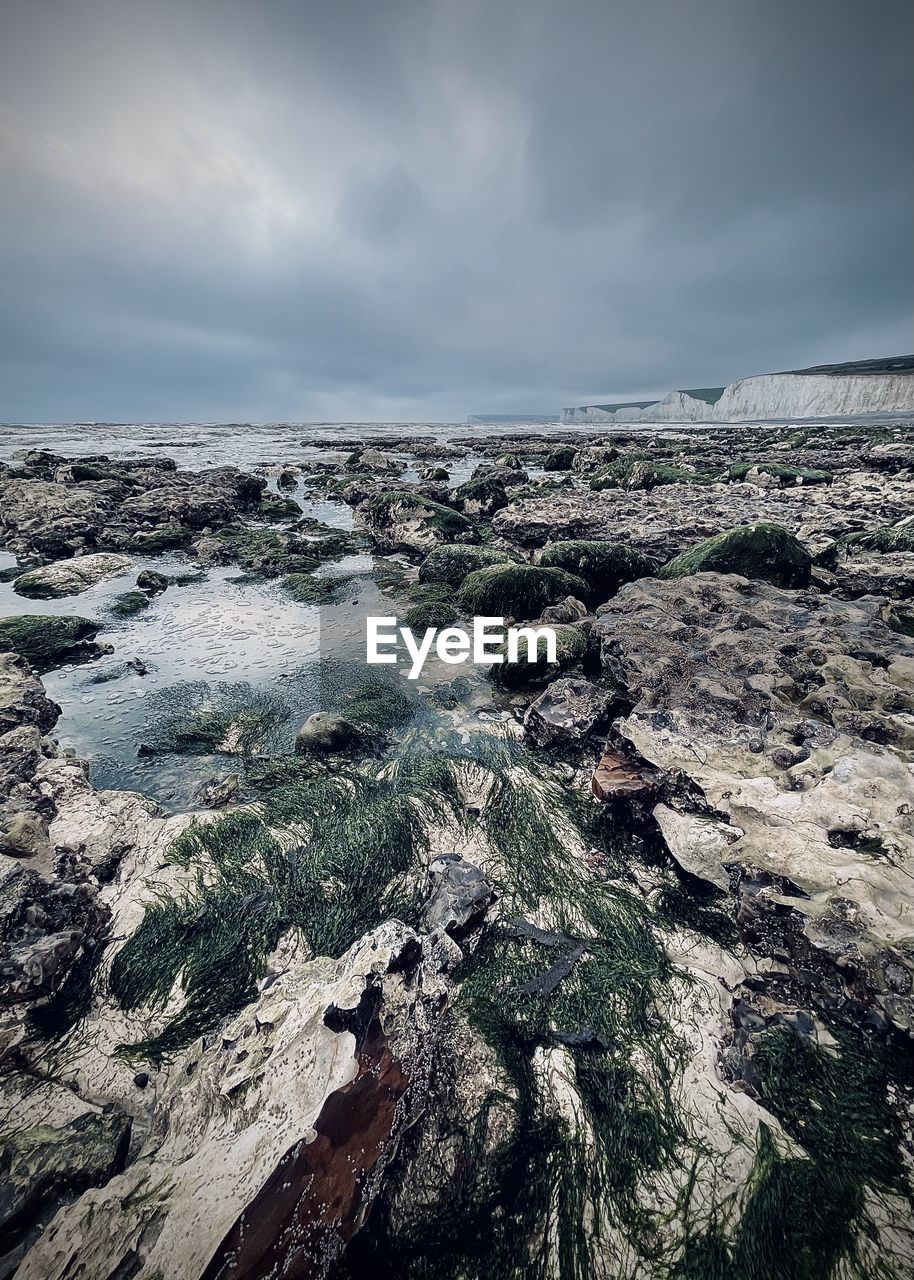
x: 451, y: 564
x: 604, y: 566
x: 307, y: 589
x: 519, y: 591
x: 197, y: 719
x: 431, y: 614
x: 45, y: 640
x: 383, y: 511
x: 642, y: 474
x: 779, y: 471
x: 765, y: 551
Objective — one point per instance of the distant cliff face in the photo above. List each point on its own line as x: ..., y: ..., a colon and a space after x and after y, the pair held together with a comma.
x: 773, y: 395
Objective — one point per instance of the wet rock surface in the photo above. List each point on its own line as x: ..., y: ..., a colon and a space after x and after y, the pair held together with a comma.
x: 672, y: 963
x: 51, y: 509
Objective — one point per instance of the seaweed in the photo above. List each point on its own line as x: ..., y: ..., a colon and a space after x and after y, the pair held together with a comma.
x: 518, y: 591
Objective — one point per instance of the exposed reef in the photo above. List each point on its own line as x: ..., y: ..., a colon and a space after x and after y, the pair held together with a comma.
x: 602, y: 967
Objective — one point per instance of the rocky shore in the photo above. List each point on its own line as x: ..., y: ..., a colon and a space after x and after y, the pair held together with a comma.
x: 600, y: 969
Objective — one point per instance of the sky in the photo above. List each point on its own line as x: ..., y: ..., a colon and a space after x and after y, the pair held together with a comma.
x: 415, y: 210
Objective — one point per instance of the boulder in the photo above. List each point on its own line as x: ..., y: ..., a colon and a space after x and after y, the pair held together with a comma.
x: 519, y: 591
x: 45, y: 640
x: 764, y: 551
x: 604, y: 566
x: 401, y: 519
x: 451, y: 564
x: 70, y: 577
x: 326, y: 732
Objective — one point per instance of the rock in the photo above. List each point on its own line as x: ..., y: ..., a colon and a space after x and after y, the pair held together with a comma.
x: 129, y: 603
x: 667, y: 519
x: 152, y: 581
x: 451, y: 564
x: 23, y: 700
x: 43, y: 1167
x: 519, y: 591
x: 43, y: 640
x: 70, y: 577
x: 776, y: 472
x: 698, y: 843
x: 46, y: 924
x: 616, y: 775
x: 460, y: 896
x: 434, y: 613
x: 507, y: 477
x: 55, y: 512
x: 481, y: 497
x: 24, y: 835
x: 763, y: 551
x: 375, y: 460
x: 216, y: 793
x: 560, y: 459
x: 722, y: 675
x: 403, y: 519
x: 314, y: 1082
x: 641, y: 474
x: 324, y: 731
x: 570, y: 649
x: 567, y: 610
x: 604, y: 566
x: 568, y: 711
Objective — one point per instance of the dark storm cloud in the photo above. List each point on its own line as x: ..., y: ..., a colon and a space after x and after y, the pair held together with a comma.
x: 423, y: 208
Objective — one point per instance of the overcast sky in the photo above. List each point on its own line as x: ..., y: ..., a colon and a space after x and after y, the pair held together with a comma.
x: 420, y: 209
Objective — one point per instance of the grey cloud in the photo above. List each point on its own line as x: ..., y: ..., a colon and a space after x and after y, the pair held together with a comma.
x: 424, y: 209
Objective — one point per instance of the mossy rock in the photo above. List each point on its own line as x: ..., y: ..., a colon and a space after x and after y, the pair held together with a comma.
x: 517, y: 590
x: 451, y: 564
x: 560, y: 459
x: 129, y: 603
x: 484, y: 495
x: 307, y: 589
x: 434, y: 613
x: 785, y: 475
x: 325, y: 733
x: 435, y: 520
x: 641, y: 474
x: 169, y: 537
x: 287, y: 480
x: 604, y: 566
x: 765, y: 551
x: 268, y: 552
x: 888, y: 538
x: 44, y: 640
x: 570, y: 649
x: 272, y: 508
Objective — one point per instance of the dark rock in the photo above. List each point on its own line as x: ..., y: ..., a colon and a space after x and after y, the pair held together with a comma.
x: 460, y: 896
x: 152, y: 581
x: 567, y: 711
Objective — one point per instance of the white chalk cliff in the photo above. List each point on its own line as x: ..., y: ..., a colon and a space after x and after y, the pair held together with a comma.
x: 837, y: 393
